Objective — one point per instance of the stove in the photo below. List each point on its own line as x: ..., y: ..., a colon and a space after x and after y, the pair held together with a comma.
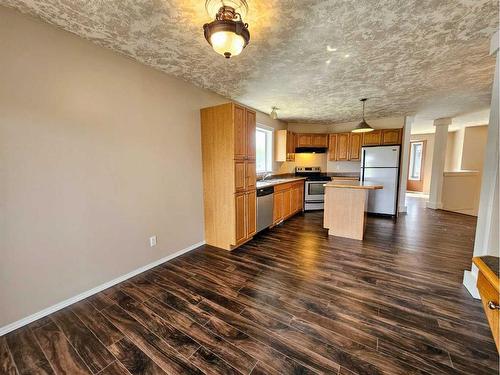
x: 314, y: 197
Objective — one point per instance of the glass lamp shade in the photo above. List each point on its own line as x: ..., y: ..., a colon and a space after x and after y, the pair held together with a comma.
x: 362, y: 127
x: 227, y: 43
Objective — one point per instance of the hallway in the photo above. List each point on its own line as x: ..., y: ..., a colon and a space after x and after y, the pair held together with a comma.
x: 291, y: 301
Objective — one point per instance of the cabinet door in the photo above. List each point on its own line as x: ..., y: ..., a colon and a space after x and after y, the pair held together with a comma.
x: 240, y: 135
x: 251, y: 211
x: 391, y: 136
x: 343, y: 146
x: 373, y: 138
x: 250, y: 128
x: 239, y: 176
x: 301, y: 198
x: 320, y: 140
x: 355, y: 146
x: 295, y: 200
x: 251, y: 175
x: 278, y: 207
x: 240, y: 218
x: 287, y: 203
x: 332, y: 147
x: 305, y: 140
x: 290, y: 146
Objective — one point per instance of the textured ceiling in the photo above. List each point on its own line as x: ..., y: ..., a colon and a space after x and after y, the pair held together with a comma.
x: 428, y: 57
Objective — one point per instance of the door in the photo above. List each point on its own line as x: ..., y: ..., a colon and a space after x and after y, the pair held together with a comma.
x: 239, y: 176
x: 391, y: 136
x: 332, y: 147
x: 251, y: 213
x: 250, y: 129
x: 382, y: 201
x: 373, y: 138
x: 355, y: 146
x: 287, y: 203
x: 251, y: 175
x: 416, y: 166
x: 240, y: 134
x: 304, y: 140
x: 343, y: 146
x: 240, y: 203
x: 320, y: 140
x: 278, y: 207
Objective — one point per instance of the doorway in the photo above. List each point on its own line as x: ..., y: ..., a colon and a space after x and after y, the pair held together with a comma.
x: 416, y: 166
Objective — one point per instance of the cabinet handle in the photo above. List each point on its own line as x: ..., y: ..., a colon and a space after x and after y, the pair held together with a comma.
x: 493, y: 306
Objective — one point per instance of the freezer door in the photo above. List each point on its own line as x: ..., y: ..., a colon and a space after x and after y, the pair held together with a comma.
x: 382, y: 201
x: 380, y: 157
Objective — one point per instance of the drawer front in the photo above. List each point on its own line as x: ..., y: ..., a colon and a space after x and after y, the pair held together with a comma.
x: 282, y: 187
x: 488, y: 293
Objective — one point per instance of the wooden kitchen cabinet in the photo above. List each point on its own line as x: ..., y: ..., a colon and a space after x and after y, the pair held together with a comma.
x: 229, y: 175
x: 332, y: 147
x: 285, y: 145
x: 288, y: 200
x: 287, y: 203
x: 278, y: 207
x: 312, y: 140
x: 343, y: 146
x: 373, y: 138
x: 391, y: 137
x: 356, y: 139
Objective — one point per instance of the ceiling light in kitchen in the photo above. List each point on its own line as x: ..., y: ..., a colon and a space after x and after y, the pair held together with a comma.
x: 227, y: 34
x: 363, y: 127
x: 274, y: 113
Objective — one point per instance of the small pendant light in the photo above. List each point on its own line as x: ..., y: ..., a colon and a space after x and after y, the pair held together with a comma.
x: 274, y: 113
x: 363, y: 126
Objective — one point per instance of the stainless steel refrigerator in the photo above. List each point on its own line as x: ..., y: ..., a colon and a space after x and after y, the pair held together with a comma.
x: 380, y: 165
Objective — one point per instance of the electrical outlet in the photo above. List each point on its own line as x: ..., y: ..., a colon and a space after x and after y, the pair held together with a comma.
x: 152, y: 241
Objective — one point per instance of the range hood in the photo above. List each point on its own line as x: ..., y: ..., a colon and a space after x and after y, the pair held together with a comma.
x: 310, y: 150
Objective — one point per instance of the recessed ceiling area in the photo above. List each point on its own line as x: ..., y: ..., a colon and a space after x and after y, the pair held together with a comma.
x: 312, y: 59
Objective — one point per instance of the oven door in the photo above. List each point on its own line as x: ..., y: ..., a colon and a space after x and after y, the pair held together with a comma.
x: 315, y: 191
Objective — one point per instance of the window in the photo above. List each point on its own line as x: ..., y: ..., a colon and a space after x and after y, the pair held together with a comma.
x: 264, y: 150
x: 416, y: 160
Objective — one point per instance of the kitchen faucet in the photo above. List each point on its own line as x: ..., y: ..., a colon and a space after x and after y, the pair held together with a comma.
x: 266, y: 175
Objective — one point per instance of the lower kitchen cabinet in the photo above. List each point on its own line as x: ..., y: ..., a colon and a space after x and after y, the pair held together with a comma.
x: 288, y: 200
x: 246, y: 216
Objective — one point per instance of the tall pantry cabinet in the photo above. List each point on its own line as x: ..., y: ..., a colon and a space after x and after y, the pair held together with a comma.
x: 229, y: 174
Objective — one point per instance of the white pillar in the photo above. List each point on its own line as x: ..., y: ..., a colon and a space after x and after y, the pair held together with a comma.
x: 405, y: 149
x: 438, y: 162
x: 487, y: 229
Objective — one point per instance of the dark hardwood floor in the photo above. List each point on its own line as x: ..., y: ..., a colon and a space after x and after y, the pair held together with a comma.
x: 292, y: 300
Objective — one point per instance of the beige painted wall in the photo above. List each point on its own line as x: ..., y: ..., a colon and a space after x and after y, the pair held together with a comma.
x: 97, y: 154
x: 474, y: 147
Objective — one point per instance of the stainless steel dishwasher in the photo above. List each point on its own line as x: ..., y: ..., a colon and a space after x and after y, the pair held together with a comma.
x: 265, y: 203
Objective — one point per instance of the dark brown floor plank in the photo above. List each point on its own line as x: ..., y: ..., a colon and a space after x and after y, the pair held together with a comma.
x: 93, y: 352
x: 27, y: 354
x: 116, y: 368
x: 7, y: 365
x: 61, y: 355
x: 155, y: 348
x: 134, y: 359
x: 97, y: 323
x: 211, y: 364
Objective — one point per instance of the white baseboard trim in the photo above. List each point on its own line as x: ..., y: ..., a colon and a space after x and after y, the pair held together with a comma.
x: 470, y: 281
x: 49, y: 310
x: 434, y: 205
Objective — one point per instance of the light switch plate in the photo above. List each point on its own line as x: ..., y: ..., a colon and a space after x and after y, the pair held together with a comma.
x: 152, y: 241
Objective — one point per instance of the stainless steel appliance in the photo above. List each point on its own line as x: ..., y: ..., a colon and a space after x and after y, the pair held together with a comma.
x: 314, y: 194
x: 380, y: 165
x: 265, y: 203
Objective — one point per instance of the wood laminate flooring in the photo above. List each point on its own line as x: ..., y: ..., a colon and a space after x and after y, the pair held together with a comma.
x: 291, y: 301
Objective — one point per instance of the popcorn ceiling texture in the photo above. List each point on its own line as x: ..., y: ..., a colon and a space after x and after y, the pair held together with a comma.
x: 429, y: 57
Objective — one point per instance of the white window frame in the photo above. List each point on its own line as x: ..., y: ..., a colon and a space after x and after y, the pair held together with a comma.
x: 269, y: 147
x: 412, y: 160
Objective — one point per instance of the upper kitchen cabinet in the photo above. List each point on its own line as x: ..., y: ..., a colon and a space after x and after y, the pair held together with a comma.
x: 312, y: 140
x: 391, y: 136
x: 229, y: 176
x: 382, y: 137
x: 343, y: 146
x: 373, y: 138
x: 355, y: 142
x: 285, y: 145
x: 332, y: 147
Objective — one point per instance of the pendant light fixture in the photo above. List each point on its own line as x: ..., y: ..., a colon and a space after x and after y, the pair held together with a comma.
x: 363, y: 127
x: 274, y: 113
x: 227, y: 34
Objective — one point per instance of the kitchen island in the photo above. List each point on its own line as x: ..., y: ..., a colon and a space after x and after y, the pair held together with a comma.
x: 345, y: 208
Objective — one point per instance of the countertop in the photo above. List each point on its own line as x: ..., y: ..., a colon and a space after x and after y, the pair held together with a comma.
x: 277, y: 181
x: 353, y: 185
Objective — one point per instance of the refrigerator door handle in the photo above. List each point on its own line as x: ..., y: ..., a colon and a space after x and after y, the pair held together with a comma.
x: 363, y: 166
